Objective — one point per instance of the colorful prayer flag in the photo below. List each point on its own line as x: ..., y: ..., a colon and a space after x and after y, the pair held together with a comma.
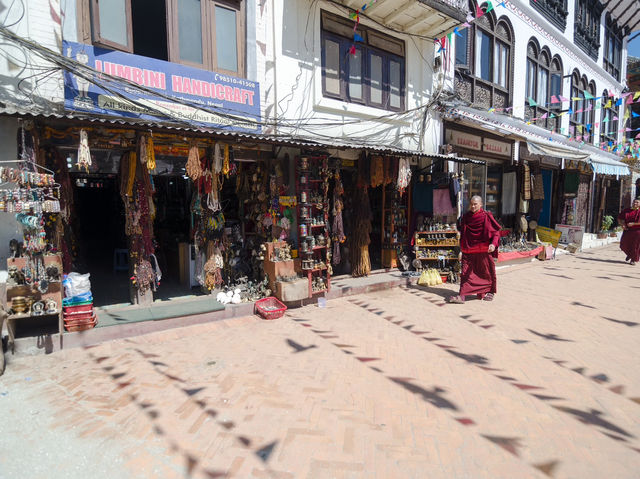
x: 587, y: 95
x: 554, y: 99
x: 357, y: 38
x: 532, y: 102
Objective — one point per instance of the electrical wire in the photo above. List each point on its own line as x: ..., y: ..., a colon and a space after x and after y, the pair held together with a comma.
x: 111, y: 85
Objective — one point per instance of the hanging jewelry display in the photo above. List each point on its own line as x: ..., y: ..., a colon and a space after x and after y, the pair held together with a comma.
x: 194, y: 168
x: 84, y: 154
x: 337, y: 228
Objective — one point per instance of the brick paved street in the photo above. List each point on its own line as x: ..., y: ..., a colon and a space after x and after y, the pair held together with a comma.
x: 542, y: 382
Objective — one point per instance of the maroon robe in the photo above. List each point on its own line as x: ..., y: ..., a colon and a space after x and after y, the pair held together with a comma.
x: 630, y: 241
x: 478, y: 231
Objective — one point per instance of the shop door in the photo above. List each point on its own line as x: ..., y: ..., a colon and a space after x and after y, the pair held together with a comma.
x: 545, y: 214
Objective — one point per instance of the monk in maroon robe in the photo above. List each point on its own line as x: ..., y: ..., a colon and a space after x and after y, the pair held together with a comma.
x: 479, y: 239
x: 629, y: 219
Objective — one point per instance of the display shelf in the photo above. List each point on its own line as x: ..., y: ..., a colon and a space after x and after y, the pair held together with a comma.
x: 450, y: 258
x: 424, y: 242
x: 395, y: 224
x: 314, y: 173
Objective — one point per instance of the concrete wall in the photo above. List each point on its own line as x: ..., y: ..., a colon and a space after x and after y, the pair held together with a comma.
x: 9, y: 227
x: 289, y: 35
x: 527, y: 23
x: 21, y: 71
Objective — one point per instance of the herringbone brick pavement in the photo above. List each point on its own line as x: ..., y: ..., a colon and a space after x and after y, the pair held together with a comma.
x: 542, y: 382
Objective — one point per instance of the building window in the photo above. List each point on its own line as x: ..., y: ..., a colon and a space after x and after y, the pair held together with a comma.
x: 609, y: 121
x: 553, y: 10
x: 205, y: 34
x: 581, y: 121
x: 485, y: 81
x: 374, y: 75
x: 543, y: 82
x: 612, y: 48
x: 587, y: 26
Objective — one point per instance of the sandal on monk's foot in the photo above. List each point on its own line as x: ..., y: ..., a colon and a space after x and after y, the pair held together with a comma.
x: 457, y: 299
x: 632, y: 263
x: 627, y: 258
x: 488, y: 297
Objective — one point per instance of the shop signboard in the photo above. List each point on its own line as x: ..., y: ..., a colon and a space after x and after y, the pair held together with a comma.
x: 548, y: 235
x: 496, y: 147
x: 170, y: 91
x: 571, y: 234
x: 464, y: 140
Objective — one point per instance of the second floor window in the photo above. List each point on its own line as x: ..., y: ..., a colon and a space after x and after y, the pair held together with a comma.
x: 587, y: 26
x: 554, y: 10
x: 581, y: 120
x: 483, y: 61
x: 609, y: 121
x: 373, y: 76
x: 207, y: 34
x: 612, y: 48
x: 544, y: 81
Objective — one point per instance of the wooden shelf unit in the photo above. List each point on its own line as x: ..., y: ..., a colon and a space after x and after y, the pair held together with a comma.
x: 395, y: 224
x: 54, y: 291
x: 425, y: 241
x: 319, y: 252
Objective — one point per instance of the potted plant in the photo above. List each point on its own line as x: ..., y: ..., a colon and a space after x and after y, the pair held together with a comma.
x: 618, y: 232
x: 607, y: 222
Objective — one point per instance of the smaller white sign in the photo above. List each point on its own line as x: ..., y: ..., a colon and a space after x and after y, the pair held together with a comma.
x: 496, y: 147
x: 465, y: 140
x: 571, y: 234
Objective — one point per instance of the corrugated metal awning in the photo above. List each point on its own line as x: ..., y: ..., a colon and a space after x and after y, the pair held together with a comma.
x: 56, y: 113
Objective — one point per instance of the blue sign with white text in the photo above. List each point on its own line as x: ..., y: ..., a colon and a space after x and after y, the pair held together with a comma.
x: 185, y: 94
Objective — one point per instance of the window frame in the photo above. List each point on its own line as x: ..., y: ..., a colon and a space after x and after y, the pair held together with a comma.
x: 96, y: 37
x: 330, y: 29
x: 586, y: 32
x: 91, y: 19
x: 209, y: 51
x: 580, y: 84
x: 612, y: 34
x: 469, y: 71
x: 555, y: 11
x: 611, y: 131
x: 553, y: 66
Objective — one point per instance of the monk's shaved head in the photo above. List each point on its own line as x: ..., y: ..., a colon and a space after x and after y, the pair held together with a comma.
x: 476, y: 198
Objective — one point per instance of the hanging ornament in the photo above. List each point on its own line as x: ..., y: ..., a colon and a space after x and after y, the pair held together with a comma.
x: 84, y: 154
x: 194, y: 168
x: 151, y: 154
x: 225, y: 165
x: 217, y: 159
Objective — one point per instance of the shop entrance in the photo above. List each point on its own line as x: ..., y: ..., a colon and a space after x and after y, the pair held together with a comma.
x: 100, y: 228
x: 100, y: 237
x: 547, y: 183
x: 375, y: 247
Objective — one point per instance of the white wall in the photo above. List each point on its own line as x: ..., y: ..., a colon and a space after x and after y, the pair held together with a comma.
x: 293, y: 90
x: 528, y: 23
x: 21, y: 73
x: 9, y: 227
